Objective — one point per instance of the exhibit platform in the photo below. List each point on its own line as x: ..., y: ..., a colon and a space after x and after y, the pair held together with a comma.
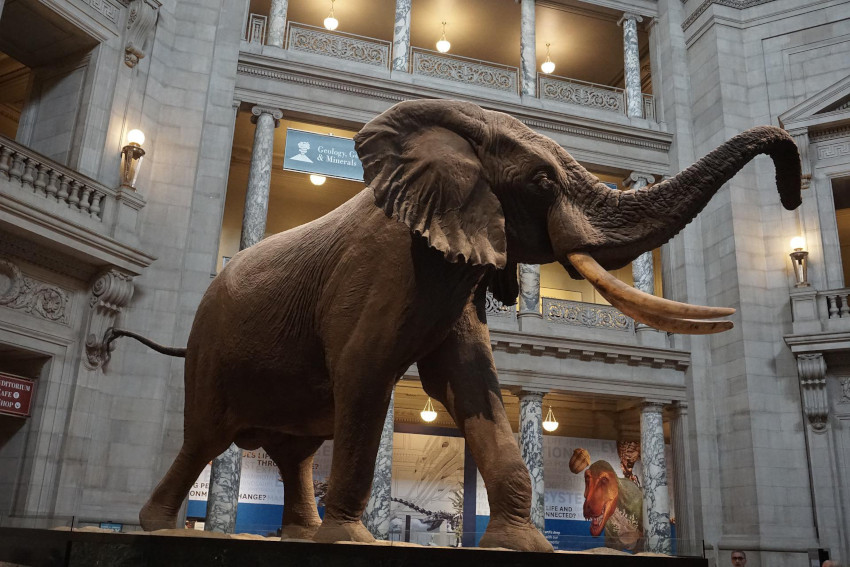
x: 49, y: 548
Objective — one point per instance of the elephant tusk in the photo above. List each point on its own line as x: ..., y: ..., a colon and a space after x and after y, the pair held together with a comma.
x: 657, y: 312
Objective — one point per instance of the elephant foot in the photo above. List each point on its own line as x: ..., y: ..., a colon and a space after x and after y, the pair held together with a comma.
x: 332, y: 531
x: 154, y: 518
x: 299, y: 531
x: 520, y: 538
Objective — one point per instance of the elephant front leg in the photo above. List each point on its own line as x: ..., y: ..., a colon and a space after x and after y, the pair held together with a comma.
x: 360, y: 407
x: 461, y: 374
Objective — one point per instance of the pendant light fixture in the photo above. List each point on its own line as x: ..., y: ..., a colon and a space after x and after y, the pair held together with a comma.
x: 318, y: 180
x: 548, y: 66
x: 550, y: 424
x: 443, y: 45
x: 331, y: 23
x: 428, y: 414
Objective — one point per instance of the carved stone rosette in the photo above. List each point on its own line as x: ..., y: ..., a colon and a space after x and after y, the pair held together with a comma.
x: 110, y: 293
x: 141, y: 20
x: 811, y: 369
x: 30, y: 296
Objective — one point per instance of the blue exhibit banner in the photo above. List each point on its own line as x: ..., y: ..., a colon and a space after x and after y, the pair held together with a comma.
x: 321, y: 154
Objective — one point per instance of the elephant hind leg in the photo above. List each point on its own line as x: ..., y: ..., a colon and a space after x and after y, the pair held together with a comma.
x: 294, y: 457
x: 160, y: 511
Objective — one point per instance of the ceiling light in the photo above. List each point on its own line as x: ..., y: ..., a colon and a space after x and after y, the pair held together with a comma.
x: 318, y: 179
x: 548, y: 66
x: 428, y: 414
x: 443, y: 45
x: 331, y: 23
x: 550, y: 424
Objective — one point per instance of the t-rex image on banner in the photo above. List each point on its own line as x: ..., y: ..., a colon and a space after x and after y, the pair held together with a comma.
x: 615, y: 505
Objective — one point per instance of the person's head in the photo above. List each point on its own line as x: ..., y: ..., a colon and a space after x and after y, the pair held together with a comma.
x: 739, y: 558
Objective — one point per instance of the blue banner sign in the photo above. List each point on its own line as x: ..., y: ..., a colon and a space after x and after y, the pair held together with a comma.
x: 321, y: 154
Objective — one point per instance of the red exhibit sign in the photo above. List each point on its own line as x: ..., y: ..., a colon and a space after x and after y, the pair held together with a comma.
x: 15, y: 395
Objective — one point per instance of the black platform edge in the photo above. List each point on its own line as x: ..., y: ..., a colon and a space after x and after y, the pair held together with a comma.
x: 50, y: 548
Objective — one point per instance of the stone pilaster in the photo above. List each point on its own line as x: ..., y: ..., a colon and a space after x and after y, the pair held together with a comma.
x: 682, y: 485
x: 631, y: 56
x: 528, y: 48
x: 277, y: 22
x: 656, y: 500
x: 642, y: 267
x: 811, y: 369
x: 531, y: 445
x: 376, y: 518
x: 529, y: 290
x: 225, y: 473
x: 259, y: 180
x: 401, y: 35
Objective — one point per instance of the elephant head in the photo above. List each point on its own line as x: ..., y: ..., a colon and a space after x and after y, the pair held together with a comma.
x: 483, y: 188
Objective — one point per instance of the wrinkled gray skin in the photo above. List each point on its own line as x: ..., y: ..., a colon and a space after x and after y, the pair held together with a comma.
x: 302, y: 337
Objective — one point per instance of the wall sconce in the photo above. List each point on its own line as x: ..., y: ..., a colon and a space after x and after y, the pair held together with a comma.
x: 131, y: 159
x: 800, y: 260
x: 428, y: 414
x: 550, y: 424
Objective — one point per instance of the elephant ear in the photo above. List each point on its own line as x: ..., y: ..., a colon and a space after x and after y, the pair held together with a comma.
x: 420, y: 161
x: 504, y: 284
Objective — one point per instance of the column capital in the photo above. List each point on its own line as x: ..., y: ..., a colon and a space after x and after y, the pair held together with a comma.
x: 530, y: 394
x: 275, y: 113
x: 679, y: 409
x: 629, y: 16
x: 636, y: 177
x: 652, y: 406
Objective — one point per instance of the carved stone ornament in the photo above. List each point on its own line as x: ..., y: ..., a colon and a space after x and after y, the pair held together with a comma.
x: 142, y: 18
x: 30, y: 296
x: 110, y: 293
x: 811, y: 369
x: 845, y: 391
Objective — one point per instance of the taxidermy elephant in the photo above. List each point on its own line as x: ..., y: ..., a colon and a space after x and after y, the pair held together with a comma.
x: 302, y: 336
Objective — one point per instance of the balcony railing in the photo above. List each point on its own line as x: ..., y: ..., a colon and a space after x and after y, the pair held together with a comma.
x: 34, y: 174
x: 464, y: 70
x: 496, y: 308
x: 580, y: 314
x: 837, y: 303
x: 339, y: 45
x: 591, y: 95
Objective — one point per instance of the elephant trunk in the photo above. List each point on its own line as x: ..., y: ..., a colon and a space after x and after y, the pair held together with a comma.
x: 629, y: 223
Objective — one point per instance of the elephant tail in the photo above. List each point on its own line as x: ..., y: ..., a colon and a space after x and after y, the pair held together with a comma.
x: 112, y: 333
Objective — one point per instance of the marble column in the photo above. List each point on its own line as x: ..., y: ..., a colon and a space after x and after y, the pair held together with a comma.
x: 401, y: 35
x: 528, y: 49
x: 259, y: 180
x: 529, y: 290
x: 656, y: 500
x: 682, y: 486
x: 376, y: 518
x: 277, y: 22
x: 631, y: 57
x: 531, y: 445
x: 642, y: 267
x: 223, y: 496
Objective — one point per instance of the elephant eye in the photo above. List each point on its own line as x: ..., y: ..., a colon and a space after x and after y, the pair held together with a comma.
x: 542, y: 179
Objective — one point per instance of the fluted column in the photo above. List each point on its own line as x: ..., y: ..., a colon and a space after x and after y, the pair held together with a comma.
x: 528, y: 48
x: 277, y: 22
x: 259, y: 180
x: 529, y: 290
x: 531, y: 445
x: 682, y: 484
x: 401, y: 35
x: 376, y: 518
x: 656, y: 500
x: 642, y: 267
x: 631, y: 57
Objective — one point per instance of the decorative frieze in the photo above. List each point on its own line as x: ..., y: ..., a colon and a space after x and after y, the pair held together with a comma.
x: 583, y: 94
x: 338, y: 45
x: 467, y: 71
x: 845, y: 390
x: 811, y: 369
x: 496, y: 308
x: 834, y: 150
x: 740, y: 4
x: 579, y: 314
x: 36, y: 298
x: 109, y: 10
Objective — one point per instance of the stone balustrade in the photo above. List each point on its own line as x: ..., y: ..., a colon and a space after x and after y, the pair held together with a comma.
x: 464, y: 70
x: 580, y: 314
x: 838, y: 303
x: 496, y: 308
x: 590, y: 95
x: 339, y: 45
x: 31, y: 173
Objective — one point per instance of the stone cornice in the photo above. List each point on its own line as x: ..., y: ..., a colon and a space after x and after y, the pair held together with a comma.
x: 740, y: 4
x: 818, y: 342
x: 587, y: 351
x: 619, y: 130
